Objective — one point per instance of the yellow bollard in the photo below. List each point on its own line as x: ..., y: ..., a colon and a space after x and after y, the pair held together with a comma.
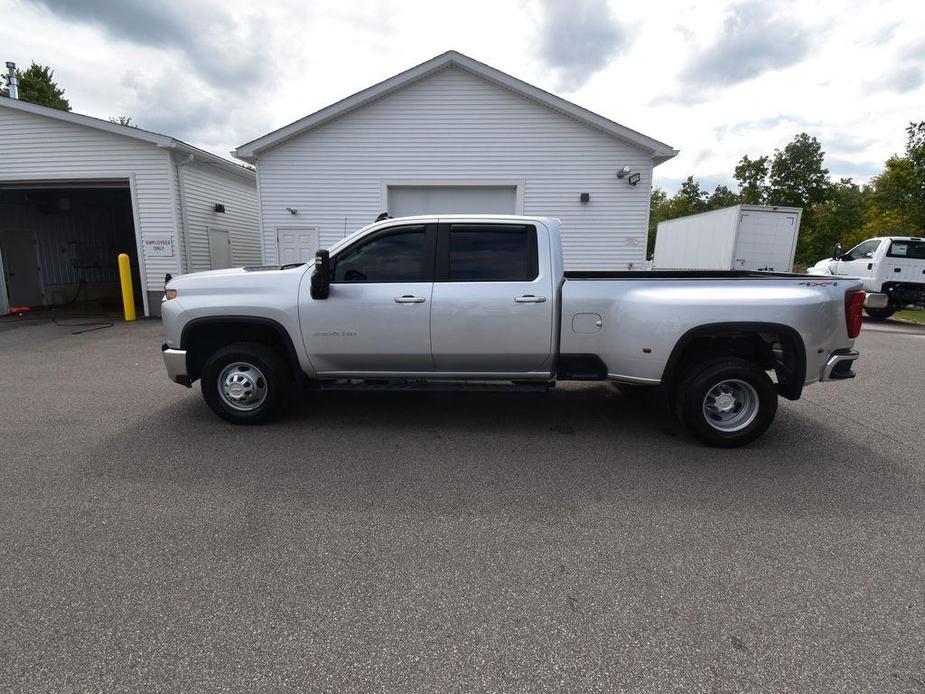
x: 128, y: 297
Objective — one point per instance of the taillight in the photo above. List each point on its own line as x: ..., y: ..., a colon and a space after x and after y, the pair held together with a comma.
x: 854, y: 304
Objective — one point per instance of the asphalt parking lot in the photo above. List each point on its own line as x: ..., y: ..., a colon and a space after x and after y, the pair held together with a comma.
x: 574, y: 541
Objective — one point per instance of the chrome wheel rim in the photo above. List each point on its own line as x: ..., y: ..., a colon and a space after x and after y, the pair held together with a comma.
x: 242, y: 386
x: 731, y: 405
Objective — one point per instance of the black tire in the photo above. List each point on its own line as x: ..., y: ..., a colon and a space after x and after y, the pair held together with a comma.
x: 690, y: 399
x: 880, y: 313
x: 262, y: 367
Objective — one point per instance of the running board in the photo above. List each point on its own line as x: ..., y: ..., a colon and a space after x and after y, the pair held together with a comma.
x: 440, y: 386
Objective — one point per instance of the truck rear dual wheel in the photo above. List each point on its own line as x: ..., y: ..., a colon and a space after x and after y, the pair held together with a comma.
x: 726, y: 401
x: 246, y: 383
x: 880, y: 313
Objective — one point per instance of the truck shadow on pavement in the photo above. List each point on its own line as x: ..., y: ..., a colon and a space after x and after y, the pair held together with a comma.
x: 537, y: 455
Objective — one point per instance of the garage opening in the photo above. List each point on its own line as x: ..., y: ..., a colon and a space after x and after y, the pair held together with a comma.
x: 59, y: 244
x: 408, y: 200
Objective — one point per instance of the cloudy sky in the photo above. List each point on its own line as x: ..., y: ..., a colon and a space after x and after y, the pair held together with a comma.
x: 714, y: 79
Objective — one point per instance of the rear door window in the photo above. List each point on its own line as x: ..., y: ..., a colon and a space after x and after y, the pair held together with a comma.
x: 492, y: 253
x: 914, y: 250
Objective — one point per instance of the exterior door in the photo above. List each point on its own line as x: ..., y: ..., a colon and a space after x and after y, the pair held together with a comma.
x: 21, y: 267
x: 855, y: 262
x: 296, y: 245
x: 376, y: 319
x: 220, y: 248
x: 408, y: 200
x: 493, y: 299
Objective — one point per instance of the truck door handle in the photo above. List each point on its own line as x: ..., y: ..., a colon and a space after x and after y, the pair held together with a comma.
x: 408, y: 299
x: 529, y: 299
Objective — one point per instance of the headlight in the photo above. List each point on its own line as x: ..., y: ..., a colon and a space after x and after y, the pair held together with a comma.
x: 170, y: 294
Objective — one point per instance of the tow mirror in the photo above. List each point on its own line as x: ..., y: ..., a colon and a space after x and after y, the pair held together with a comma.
x: 321, y: 276
x: 837, y: 252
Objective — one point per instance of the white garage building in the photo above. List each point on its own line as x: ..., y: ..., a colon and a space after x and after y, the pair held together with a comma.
x: 455, y: 135
x: 76, y: 191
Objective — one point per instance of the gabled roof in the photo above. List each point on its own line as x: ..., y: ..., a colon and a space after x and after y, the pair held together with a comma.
x: 250, y: 151
x: 163, y: 141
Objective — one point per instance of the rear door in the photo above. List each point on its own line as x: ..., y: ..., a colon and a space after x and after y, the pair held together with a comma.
x: 493, y: 299
x: 376, y: 319
x: 904, y: 261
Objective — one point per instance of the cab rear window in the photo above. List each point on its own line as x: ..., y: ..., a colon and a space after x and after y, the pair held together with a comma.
x: 914, y: 250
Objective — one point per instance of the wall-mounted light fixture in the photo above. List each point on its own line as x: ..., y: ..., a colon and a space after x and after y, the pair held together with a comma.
x: 219, y: 207
x: 292, y: 210
x: 633, y: 179
x: 624, y: 172
x: 584, y: 197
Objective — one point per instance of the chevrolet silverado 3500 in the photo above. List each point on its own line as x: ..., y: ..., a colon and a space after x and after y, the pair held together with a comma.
x: 484, y: 301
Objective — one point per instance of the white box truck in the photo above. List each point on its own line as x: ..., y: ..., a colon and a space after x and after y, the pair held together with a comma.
x: 741, y: 237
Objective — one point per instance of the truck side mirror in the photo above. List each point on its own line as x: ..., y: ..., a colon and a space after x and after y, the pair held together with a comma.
x: 321, y: 276
x: 837, y: 252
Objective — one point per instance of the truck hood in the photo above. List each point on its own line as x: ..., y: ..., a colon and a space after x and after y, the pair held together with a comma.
x: 232, y: 274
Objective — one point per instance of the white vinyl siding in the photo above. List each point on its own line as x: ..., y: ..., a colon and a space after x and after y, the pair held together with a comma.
x: 456, y: 126
x: 204, y: 186
x: 35, y: 147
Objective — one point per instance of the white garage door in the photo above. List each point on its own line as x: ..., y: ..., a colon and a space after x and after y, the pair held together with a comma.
x: 410, y: 200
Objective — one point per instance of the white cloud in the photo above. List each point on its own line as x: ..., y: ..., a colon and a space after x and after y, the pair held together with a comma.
x: 715, y: 80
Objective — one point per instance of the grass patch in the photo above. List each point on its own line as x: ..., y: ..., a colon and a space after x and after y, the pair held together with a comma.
x: 911, y: 316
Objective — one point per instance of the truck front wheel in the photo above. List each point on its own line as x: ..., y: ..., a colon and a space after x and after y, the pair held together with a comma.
x: 726, y: 401
x: 245, y: 383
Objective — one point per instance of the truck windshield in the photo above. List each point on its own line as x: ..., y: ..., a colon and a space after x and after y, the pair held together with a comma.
x: 907, y: 249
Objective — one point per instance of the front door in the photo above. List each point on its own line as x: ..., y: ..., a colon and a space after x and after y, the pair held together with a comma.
x: 219, y: 248
x: 859, y: 261
x: 21, y: 266
x: 493, y: 299
x: 376, y: 319
x: 296, y: 244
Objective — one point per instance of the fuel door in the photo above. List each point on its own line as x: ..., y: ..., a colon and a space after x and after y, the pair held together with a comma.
x: 587, y: 323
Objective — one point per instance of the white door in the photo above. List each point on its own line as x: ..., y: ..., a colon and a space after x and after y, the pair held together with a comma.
x: 21, y: 267
x: 493, y: 299
x: 220, y: 248
x: 766, y: 241
x: 405, y: 201
x: 296, y: 244
x: 376, y: 319
x: 859, y: 261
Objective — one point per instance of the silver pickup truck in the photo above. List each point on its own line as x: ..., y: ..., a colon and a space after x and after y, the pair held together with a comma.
x: 475, y: 301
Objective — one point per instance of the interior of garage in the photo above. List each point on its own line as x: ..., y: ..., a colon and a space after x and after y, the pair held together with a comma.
x: 59, y: 244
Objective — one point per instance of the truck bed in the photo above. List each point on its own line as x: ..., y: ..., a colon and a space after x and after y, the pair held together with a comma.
x: 674, y: 274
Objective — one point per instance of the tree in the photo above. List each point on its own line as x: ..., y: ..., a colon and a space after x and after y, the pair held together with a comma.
x: 797, y: 177
x: 722, y: 197
x: 839, y: 218
x: 752, y: 176
x: 123, y: 120
x: 37, y: 86
x: 656, y: 202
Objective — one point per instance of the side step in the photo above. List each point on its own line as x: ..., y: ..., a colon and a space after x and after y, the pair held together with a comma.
x: 439, y: 386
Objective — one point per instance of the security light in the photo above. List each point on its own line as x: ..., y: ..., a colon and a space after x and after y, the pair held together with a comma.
x: 633, y: 179
x: 624, y: 172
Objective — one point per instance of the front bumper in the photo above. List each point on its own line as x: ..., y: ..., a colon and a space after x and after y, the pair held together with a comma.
x: 838, y: 366
x: 175, y: 362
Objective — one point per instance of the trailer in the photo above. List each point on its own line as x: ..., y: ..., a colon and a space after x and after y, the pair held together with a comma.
x: 741, y: 237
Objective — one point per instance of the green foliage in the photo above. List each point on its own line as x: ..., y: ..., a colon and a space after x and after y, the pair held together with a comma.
x: 893, y: 203
x: 752, y: 177
x: 123, y: 120
x: 37, y: 86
